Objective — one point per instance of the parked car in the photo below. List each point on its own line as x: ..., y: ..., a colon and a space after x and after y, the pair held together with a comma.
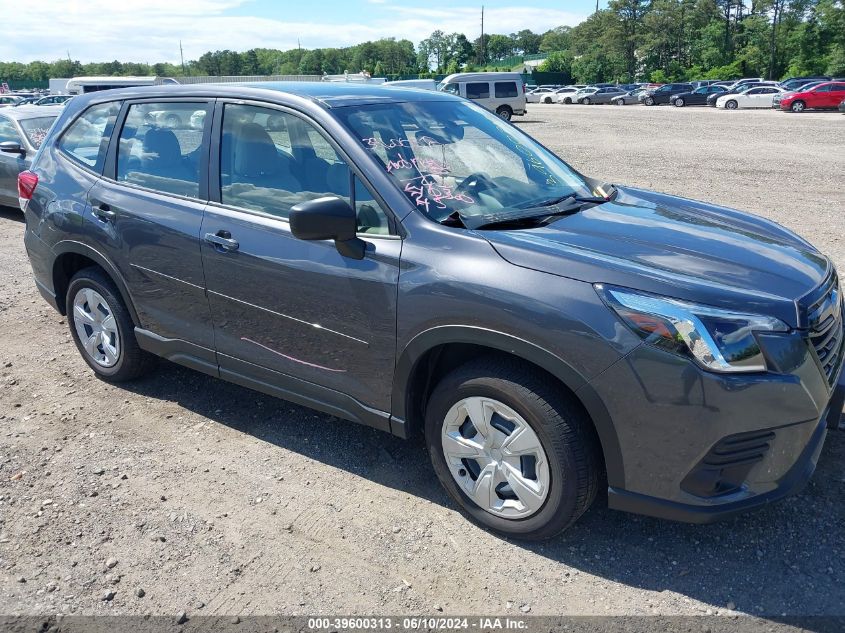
x: 711, y: 99
x: 567, y: 94
x: 661, y: 95
x: 629, y: 97
x: 697, y: 96
x: 754, y: 97
x: 542, y: 330
x: 535, y: 95
x: 821, y: 96
x: 842, y: 106
x: 9, y: 100
x: 776, y: 101
x: 795, y: 83
x: 579, y: 94
x: 502, y: 93
x: 601, y: 96
x: 21, y: 132
x: 53, y: 100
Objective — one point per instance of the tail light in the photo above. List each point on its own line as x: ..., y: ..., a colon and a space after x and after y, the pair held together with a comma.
x: 523, y: 88
x: 27, y: 182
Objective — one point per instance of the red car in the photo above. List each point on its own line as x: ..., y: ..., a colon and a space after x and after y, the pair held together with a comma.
x: 826, y: 95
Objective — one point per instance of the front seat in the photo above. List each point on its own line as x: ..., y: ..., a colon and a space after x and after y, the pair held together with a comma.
x: 256, y: 161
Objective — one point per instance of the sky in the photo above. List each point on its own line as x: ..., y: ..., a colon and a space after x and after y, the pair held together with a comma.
x: 150, y: 30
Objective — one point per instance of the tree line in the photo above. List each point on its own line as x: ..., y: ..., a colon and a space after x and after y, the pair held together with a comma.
x: 657, y: 40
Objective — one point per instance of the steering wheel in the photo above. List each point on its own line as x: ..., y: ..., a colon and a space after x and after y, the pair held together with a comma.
x: 477, y: 181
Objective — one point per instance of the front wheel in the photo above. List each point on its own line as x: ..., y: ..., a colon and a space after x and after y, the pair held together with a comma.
x: 518, y: 457
x: 505, y: 113
x: 798, y: 106
x: 649, y: 101
x: 586, y: 100
x: 731, y: 105
x: 679, y: 103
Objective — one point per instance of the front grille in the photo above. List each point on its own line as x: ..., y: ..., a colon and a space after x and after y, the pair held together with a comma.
x: 727, y: 464
x: 825, y: 319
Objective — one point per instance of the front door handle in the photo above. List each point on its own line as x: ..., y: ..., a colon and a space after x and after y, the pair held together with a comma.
x: 104, y: 212
x: 222, y: 241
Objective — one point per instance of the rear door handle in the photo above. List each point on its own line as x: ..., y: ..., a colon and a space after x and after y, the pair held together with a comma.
x: 104, y: 212
x: 222, y: 241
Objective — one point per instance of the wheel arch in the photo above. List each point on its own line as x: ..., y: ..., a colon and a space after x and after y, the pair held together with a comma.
x: 71, y: 257
x: 439, y: 350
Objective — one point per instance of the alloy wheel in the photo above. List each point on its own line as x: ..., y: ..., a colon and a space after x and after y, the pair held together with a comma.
x: 96, y: 327
x: 495, y: 457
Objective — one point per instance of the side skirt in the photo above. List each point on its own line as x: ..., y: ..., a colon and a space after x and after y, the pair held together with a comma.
x: 266, y: 381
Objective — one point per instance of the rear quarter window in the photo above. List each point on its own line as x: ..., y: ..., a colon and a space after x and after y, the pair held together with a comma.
x: 87, y: 138
x: 506, y: 89
x: 479, y: 90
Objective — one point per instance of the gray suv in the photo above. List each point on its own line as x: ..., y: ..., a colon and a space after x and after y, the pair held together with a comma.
x: 407, y: 260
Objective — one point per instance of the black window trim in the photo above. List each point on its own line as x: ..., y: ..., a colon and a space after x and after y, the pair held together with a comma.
x: 110, y: 164
x: 215, y: 196
x: 477, y: 83
x: 69, y: 124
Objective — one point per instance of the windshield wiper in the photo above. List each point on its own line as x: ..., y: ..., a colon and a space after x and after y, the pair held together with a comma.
x: 519, y: 216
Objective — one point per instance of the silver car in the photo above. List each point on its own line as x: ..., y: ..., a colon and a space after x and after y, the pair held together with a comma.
x: 602, y: 95
x: 21, y: 132
x: 627, y: 98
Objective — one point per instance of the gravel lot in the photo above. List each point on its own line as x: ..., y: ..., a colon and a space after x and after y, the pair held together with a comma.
x: 183, y: 493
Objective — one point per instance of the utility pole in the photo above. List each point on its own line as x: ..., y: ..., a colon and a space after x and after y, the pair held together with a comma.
x: 597, y: 6
x: 182, y: 57
x: 481, y: 41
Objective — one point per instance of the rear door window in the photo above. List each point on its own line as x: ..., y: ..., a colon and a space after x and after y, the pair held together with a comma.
x: 160, y: 147
x: 87, y: 138
x: 479, y: 90
x: 505, y: 89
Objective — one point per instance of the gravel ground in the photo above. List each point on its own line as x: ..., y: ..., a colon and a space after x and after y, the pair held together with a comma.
x: 183, y: 493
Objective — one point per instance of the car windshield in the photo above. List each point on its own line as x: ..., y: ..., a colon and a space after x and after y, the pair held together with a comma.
x: 36, y: 129
x: 452, y: 157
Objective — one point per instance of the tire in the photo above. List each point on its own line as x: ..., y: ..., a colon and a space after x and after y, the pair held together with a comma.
x: 566, y: 465
x: 798, y: 106
x: 649, y: 101
x: 585, y: 101
x: 619, y: 102
x: 568, y: 100
x: 679, y: 102
x: 130, y: 361
x: 731, y: 105
x: 505, y: 113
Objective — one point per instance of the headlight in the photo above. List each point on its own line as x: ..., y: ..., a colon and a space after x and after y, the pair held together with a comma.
x: 718, y: 340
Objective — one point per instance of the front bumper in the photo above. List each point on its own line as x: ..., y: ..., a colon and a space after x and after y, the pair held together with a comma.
x: 699, y: 447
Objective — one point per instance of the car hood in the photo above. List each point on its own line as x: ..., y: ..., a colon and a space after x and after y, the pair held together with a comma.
x: 674, y: 247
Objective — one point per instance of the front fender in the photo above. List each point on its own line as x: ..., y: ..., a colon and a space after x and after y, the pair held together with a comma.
x: 429, y: 339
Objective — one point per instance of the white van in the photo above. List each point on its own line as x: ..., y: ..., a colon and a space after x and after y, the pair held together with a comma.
x: 502, y: 93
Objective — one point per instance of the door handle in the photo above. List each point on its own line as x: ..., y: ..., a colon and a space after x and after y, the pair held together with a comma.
x: 222, y: 241
x: 104, y: 212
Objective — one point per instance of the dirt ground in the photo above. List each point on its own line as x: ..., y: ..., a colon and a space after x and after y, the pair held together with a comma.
x: 184, y: 493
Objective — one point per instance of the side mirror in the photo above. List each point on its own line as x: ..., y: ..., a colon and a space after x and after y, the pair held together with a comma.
x: 328, y: 218
x: 12, y: 147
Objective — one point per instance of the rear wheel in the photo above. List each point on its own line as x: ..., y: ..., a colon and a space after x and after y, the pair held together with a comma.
x: 567, y: 100
x: 103, y: 329
x: 517, y: 456
x: 798, y: 106
x: 731, y: 105
x: 679, y: 102
x: 504, y: 112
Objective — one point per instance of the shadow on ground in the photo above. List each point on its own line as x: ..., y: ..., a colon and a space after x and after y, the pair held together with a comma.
x: 788, y: 558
